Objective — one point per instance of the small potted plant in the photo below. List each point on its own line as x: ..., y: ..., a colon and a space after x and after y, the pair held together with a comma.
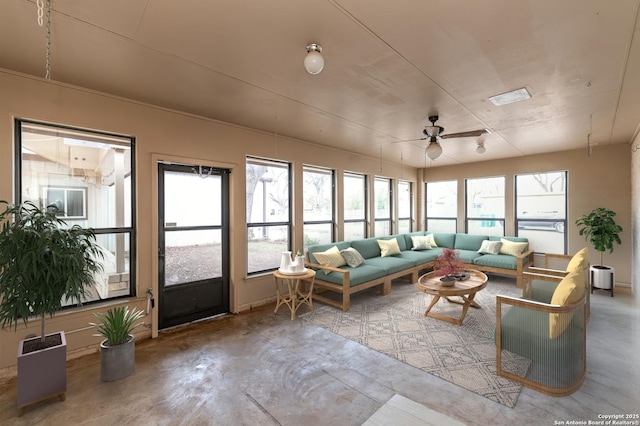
x: 449, y: 266
x: 600, y: 229
x: 117, y: 350
x: 43, y: 264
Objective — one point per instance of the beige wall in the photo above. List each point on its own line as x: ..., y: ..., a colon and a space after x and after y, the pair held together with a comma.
x: 635, y: 215
x: 169, y: 135
x: 602, y: 179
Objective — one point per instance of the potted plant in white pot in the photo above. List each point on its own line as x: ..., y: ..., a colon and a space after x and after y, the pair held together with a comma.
x: 601, y: 230
x: 43, y: 264
x: 117, y: 350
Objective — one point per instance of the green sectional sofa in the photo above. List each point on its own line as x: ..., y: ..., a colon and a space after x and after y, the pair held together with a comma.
x: 381, y: 270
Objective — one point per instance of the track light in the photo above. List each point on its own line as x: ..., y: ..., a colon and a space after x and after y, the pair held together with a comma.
x: 481, y: 149
x: 314, y: 62
x: 434, y: 149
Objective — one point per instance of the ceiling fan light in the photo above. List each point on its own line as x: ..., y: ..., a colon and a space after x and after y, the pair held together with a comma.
x: 431, y: 131
x: 314, y: 62
x: 481, y: 149
x: 434, y: 150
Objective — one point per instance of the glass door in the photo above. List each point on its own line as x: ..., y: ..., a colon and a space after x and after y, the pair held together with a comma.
x: 193, y: 239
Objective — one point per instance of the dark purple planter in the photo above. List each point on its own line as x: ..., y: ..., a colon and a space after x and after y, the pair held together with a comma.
x: 42, y: 374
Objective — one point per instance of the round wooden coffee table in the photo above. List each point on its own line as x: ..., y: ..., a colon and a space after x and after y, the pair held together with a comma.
x: 430, y: 284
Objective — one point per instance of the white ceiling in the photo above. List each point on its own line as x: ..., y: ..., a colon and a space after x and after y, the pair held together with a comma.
x: 389, y: 65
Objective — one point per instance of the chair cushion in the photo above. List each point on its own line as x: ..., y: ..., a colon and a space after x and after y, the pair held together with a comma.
x: 580, y: 261
x: 511, y: 248
x: 352, y: 257
x: 331, y: 257
x: 570, y: 290
x: 389, y: 247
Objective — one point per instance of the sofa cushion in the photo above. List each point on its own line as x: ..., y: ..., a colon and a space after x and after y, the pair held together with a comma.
x: 469, y: 241
x: 444, y: 239
x: 391, y: 264
x: 352, y: 257
x: 468, y: 256
x: 570, y: 290
x: 389, y: 247
x: 367, y: 247
x: 421, y: 242
x: 497, y: 261
x: 419, y: 257
x: 490, y: 247
x: 579, y: 261
x: 331, y: 257
x: 512, y: 248
x: 359, y: 275
x: 542, y: 291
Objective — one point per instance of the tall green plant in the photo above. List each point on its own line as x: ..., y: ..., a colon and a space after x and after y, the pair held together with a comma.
x: 600, y: 229
x: 117, y: 324
x: 43, y: 263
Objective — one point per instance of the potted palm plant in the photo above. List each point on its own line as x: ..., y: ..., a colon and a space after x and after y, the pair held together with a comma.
x: 117, y: 350
x: 600, y: 229
x: 43, y: 264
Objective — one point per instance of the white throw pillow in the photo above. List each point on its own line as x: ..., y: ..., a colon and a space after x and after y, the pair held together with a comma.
x: 511, y: 248
x: 432, y: 240
x: 331, y: 257
x: 421, y: 242
x: 352, y: 257
x: 490, y: 247
x: 389, y: 247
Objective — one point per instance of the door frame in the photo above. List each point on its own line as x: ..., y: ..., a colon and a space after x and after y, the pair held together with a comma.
x: 155, y: 287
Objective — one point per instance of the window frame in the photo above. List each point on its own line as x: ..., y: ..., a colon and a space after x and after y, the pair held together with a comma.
x: 365, y: 192
x: 271, y: 224
x: 131, y: 231
x: 409, y: 218
x: 386, y: 219
x: 453, y: 219
x: 332, y: 220
x: 469, y: 219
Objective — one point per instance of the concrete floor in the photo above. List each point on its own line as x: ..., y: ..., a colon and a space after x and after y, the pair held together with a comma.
x: 260, y: 368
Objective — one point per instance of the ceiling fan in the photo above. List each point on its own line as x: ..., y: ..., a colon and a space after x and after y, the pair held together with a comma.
x: 433, y: 133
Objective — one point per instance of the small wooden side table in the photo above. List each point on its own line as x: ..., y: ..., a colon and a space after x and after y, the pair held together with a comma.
x: 292, y: 291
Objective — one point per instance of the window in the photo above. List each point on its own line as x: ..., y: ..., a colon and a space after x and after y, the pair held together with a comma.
x: 318, y: 205
x: 405, y: 204
x: 485, y: 206
x: 89, y: 177
x: 442, y: 206
x: 268, y: 213
x: 382, y: 188
x: 541, y: 210
x: 70, y: 203
x: 355, y: 212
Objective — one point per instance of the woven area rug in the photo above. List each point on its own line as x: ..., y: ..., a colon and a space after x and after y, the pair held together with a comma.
x: 396, y: 326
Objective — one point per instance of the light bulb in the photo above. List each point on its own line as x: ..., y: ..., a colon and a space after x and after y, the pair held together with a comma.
x: 314, y: 62
x: 481, y: 149
x: 434, y: 150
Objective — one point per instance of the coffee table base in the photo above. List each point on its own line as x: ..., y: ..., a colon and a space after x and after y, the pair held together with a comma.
x: 466, y: 302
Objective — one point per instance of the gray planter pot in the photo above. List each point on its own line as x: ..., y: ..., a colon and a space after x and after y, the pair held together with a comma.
x: 117, y: 362
x: 42, y: 374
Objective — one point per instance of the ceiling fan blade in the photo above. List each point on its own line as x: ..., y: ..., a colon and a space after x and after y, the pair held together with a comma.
x: 410, y: 140
x: 468, y: 134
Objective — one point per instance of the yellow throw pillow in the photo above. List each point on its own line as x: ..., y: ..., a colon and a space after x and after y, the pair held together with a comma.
x: 511, y: 248
x: 570, y: 290
x: 580, y: 261
x: 389, y: 247
x: 331, y: 257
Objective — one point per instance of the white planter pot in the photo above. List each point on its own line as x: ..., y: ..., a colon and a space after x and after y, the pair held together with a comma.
x: 602, y: 277
x: 117, y: 362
